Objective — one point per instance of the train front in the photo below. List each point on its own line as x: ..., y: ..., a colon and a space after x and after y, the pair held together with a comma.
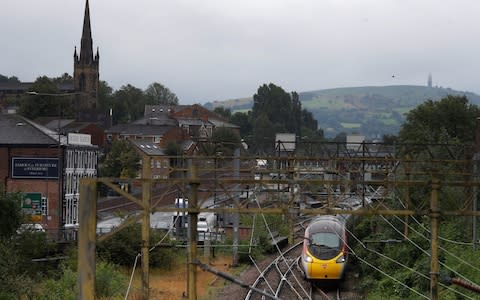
x: 324, y: 254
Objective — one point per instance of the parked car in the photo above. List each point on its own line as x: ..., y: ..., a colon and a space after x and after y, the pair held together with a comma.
x: 30, y: 227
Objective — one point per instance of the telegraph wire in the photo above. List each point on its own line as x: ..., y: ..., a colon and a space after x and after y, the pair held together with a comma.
x: 381, y: 271
x: 440, y: 247
x: 278, y: 248
x: 428, y: 254
x: 400, y: 264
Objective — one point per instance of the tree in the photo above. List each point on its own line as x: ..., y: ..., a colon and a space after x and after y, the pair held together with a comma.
x: 157, y: 93
x: 121, y: 161
x: 65, y: 78
x: 222, y: 111
x: 263, y: 134
x: 105, y: 94
x: 226, y: 140
x: 11, y: 79
x: 128, y: 104
x: 450, y: 120
x: 274, y: 107
x: 242, y: 120
x: 11, y: 215
x: 34, y: 106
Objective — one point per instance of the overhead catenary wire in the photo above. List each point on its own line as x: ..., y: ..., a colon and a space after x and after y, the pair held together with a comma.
x: 140, y: 255
x: 402, y: 265
x: 428, y: 254
x: 381, y: 271
x: 440, y: 247
x: 278, y: 248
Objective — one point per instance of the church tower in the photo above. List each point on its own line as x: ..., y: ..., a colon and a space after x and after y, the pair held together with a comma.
x: 85, y: 68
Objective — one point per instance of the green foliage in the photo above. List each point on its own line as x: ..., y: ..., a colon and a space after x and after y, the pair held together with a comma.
x: 121, y: 161
x: 14, y: 280
x: 33, y: 106
x: 274, y: 111
x: 123, y: 247
x: 173, y: 149
x: 226, y: 140
x: 105, y: 94
x: 11, y: 79
x: 457, y: 258
x: 242, y: 120
x: 450, y: 120
x: 156, y: 94
x: 11, y: 215
x: 224, y: 112
x: 128, y: 104
x: 65, y: 78
x: 109, y: 282
x: 63, y: 288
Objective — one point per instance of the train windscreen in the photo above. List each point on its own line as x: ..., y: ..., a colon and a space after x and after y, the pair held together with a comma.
x: 324, y: 245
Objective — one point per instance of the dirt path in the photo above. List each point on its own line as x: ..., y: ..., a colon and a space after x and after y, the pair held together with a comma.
x: 172, y: 285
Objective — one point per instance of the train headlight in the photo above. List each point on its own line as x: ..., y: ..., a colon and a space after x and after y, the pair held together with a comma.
x: 307, y: 259
x: 340, y: 260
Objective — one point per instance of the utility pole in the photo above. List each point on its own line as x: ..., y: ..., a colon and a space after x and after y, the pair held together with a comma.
x: 192, y: 228
x: 475, y: 200
x: 87, y: 218
x: 146, y: 195
x: 236, y: 218
x: 434, y: 215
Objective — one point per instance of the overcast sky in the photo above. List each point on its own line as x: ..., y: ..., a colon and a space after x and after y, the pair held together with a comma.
x: 206, y: 50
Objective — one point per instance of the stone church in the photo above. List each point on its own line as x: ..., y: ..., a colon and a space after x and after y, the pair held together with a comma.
x: 84, y: 87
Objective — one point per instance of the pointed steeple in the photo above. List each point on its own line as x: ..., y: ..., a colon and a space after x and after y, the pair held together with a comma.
x: 86, y: 68
x: 86, y: 44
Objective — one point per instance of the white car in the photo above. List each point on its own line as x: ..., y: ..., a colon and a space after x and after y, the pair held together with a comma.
x: 30, y: 227
x: 202, y: 226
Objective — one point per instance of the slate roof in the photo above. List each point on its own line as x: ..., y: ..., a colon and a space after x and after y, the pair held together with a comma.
x: 148, y: 148
x: 138, y: 129
x: 219, y: 123
x: 23, y: 87
x: 16, y: 130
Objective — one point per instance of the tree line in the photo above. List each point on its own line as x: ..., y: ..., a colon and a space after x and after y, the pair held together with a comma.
x: 127, y: 103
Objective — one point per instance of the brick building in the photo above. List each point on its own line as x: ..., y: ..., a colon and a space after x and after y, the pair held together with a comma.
x: 46, y: 167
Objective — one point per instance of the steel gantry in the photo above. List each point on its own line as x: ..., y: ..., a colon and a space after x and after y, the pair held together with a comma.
x: 314, y: 181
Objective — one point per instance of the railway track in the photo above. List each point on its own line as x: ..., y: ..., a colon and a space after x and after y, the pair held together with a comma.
x: 318, y: 293
x: 282, y: 279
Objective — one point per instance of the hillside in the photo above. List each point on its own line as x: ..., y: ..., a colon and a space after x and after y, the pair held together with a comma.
x: 372, y: 111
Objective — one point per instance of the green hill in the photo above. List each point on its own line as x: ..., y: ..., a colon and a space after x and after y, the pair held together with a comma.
x: 372, y: 111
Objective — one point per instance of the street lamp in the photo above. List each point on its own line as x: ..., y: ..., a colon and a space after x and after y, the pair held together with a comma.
x: 60, y: 154
x: 33, y: 93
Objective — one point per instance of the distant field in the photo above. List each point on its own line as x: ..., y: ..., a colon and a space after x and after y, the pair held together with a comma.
x: 351, y: 125
x: 377, y: 110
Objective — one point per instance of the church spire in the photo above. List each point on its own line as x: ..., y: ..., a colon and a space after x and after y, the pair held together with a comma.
x: 86, y: 45
x: 86, y: 68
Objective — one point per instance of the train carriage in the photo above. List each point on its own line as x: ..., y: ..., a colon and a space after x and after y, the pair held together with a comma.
x: 324, y: 254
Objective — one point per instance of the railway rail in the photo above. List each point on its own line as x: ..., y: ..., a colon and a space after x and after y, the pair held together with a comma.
x: 282, y: 279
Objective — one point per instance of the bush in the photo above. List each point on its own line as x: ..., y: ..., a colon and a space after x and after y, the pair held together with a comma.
x: 109, y: 282
x: 123, y: 247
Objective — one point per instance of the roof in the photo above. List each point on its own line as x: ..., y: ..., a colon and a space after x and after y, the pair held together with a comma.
x: 220, y: 123
x: 19, y: 130
x: 53, y: 123
x: 148, y: 148
x: 191, y: 121
x: 23, y: 87
x: 138, y: 129
x: 159, y: 109
x: 156, y: 120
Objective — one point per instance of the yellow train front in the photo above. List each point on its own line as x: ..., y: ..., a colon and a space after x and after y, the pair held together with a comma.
x: 324, y: 254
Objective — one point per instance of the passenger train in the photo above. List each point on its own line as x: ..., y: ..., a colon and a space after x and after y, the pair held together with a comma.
x: 324, y: 254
